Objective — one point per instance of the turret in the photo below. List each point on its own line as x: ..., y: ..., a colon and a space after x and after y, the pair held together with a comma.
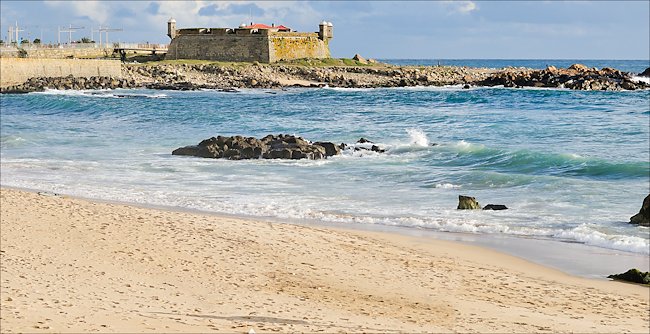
x: 171, y: 28
x: 325, y: 30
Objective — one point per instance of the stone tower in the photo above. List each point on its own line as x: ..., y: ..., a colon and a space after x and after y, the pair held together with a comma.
x: 325, y: 30
x: 171, y: 28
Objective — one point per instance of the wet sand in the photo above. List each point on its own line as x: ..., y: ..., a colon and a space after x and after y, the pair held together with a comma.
x: 73, y: 265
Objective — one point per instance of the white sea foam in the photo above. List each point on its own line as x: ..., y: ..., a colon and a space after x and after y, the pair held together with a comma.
x: 589, y: 236
x: 641, y: 79
x: 102, y: 93
x: 447, y: 186
x: 418, y: 137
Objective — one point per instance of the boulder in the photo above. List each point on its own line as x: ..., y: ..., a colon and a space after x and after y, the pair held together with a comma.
x: 551, y: 68
x: 330, y: 148
x: 363, y: 141
x: 360, y: 59
x: 467, y: 203
x: 643, y: 217
x: 645, y: 73
x: 495, y: 207
x: 633, y: 275
x: 579, y: 68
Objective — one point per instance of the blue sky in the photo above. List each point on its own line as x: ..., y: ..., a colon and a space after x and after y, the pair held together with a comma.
x: 378, y: 29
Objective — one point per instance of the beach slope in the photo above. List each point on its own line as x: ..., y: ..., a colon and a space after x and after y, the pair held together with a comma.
x: 72, y: 265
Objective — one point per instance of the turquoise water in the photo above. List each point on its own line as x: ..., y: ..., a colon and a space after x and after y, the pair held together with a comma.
x: 571, y: 166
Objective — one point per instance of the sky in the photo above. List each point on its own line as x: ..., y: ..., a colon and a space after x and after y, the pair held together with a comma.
x: 374, y: 29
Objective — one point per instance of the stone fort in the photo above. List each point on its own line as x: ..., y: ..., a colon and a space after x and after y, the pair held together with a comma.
x: 254, y: 42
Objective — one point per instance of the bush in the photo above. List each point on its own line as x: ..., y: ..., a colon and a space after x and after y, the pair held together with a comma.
x: 37, y: 41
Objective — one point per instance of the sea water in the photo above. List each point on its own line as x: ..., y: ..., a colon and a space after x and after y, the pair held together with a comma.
x: 571, y: 166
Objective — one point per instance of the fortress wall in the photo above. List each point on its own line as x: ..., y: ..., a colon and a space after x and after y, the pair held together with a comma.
x: 15, y: 71
x: 265, y: 48
x: 229, y: 47
x: 297, y: 46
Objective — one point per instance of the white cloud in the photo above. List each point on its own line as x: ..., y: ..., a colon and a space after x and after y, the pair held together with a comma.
x: 466, y: 6
x: 460, y: 7
x: 95, y: 10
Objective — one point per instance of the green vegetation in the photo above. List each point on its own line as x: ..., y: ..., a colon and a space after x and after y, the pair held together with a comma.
x: 148, y: 60
x: 86, y: 40
x: 315, y: 62
x: 307, y: 62
x: 37, y: 41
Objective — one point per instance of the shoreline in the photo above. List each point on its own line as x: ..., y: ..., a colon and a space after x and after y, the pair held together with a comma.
x: 196, y: 75
x: 76, y: 265
x: 571, y: 258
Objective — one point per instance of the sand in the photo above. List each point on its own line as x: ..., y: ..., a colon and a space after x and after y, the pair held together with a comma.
x: 73, y: 265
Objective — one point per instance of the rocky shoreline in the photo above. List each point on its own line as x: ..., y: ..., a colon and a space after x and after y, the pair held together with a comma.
x: 184, y: 76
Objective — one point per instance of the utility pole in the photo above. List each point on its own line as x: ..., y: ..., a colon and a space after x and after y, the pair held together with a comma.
x: 16, y: 30
x: 106, y: 30
x: 69, y: 30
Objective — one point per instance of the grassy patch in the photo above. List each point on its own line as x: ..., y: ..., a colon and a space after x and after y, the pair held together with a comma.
x: 314, y: 62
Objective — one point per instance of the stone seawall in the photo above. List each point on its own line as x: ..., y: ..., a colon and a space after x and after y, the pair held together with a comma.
x: 55, y: 53
x: 15, y: 71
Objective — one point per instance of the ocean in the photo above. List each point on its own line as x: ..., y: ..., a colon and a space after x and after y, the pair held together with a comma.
x: 571, y: 166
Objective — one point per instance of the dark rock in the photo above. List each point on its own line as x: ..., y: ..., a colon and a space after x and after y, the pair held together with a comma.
x: 633, y: 275
x: 363, y: 141
x: 645, y: 73
x: 377, y: 149
x: 643, y: 217
x: 495, y: 207
x: 467, y: 203
x: 330, y: 148
x: 269, y: 147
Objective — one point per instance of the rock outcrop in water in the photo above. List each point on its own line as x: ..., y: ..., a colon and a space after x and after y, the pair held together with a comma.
x: 467, y: 203
x: 269, y: 147
x: 495, y: 207
x: 643, y: 217
x: 633, y: 275
x: 645, y: 73
x: 576, y: 76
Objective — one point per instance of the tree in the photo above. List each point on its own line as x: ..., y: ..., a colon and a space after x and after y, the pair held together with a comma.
x: 86, y: 40
x: 24, y: 41
x: 37, y: 41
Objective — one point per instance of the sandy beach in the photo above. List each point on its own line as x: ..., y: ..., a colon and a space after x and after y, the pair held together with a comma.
x: 73, y: 265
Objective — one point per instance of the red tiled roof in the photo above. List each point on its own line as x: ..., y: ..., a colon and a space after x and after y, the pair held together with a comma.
x: 264, y: 26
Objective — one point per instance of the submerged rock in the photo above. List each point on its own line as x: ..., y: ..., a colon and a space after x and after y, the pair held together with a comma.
x: 495, y: 207
x: 269, y: 147
x: 643, y: 217
x: 467, y: 203
x: 633, y: 275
